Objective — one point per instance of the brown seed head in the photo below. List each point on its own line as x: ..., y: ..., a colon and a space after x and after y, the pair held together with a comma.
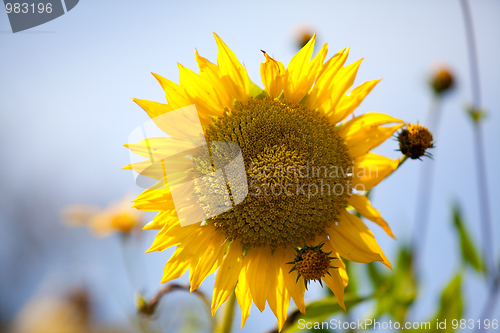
x: 414, y: 141
x: 442, y: 80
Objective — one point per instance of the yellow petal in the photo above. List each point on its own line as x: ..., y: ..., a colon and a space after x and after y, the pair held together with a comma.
x: 370, y: 169
x: 323, y: 87
x: 211, y: 72
x: 279, y: 298
x: 153, y: 109
x: 166, y: 217
x: 209, y: 257
x: 189, y: 251
x: 201, y: 93
x: 348, y: 103
x: 243, y: 294
x: 354, y: 241
x: 364, y: 140
x: 175, y: 266
x: 344, y: 80
x: 338, y: 279
x: 294, y: 287
x: 157, y: 148
x: 230, y: 66
x: 364, y: 207
x: 173, y: 234
x: 302, y: 71
x: 175, y: 94
x: 227, y: 276
x: 365, y: 122
x: 259, y: 273
x: 154, y: 200
x: 272, y: 73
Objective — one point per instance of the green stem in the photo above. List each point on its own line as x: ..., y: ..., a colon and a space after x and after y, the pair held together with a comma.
x: 227, y: 322
x: 482, y: 183
x: 402, y: 160
x: 424, y: 191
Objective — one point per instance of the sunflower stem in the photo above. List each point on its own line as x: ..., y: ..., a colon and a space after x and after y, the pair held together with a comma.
x: 227, y: 322
x: 425, y: 187
x: 402, y: 160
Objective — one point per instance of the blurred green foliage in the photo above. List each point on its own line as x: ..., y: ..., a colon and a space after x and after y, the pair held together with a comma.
x: 395, y: 292
x: 470, y: 255
x: 320, y: 311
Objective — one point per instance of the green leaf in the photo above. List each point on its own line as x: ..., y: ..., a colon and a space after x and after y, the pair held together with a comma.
x: 395, y: 292
x: 451, y: 304
x: 257, y: 92
x: 450, y: 307
x: 351, y: 287
x: 376, y: 277
x: 319, y: 311
x: 476, y: 115
x: 469, y: 254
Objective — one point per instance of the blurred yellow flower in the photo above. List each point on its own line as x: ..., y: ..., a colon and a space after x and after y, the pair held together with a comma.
x: 56, y: 312
x: 51, y: 314
x: 299, y: 119
x: 117, y: 217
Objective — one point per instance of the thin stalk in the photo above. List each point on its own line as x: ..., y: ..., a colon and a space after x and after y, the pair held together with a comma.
x: 227, y: 322
x: 402, y: 160
x: 149, y: 308
x: 133, y: 265
x: 486, y: 229
x: 490, y: 305
x: 483, y: 196
x: 426, y: 180
x: 472, y: 50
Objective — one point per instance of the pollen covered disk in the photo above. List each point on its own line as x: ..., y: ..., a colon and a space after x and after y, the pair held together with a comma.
x: 298, y: 172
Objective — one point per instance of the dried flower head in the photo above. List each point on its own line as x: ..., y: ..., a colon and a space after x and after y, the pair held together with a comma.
x: 414, y: 140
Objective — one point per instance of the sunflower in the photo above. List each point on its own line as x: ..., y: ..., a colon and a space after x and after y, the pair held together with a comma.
x: 295, y: 137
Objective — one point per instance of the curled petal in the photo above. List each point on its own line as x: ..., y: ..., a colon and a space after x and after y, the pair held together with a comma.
x: 354, y: 241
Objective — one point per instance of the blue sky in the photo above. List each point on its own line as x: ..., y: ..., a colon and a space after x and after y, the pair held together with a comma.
x: 66, y: 89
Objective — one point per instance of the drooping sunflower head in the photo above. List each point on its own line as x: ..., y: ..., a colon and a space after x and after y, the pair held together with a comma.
x: 415, y: 140
x: 304, y: 162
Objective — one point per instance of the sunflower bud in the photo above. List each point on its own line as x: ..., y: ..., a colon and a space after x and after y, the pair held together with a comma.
x: 312, y: 263
x: 302, y: 35
x: 442, y: 80
x: 414, y: 141
x: 142, y: 305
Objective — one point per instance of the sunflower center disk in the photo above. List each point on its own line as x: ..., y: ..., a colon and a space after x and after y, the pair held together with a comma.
x: 298, y: 172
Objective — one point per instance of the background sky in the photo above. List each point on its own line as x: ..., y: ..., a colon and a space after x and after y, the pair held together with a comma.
x: 66, y: 109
